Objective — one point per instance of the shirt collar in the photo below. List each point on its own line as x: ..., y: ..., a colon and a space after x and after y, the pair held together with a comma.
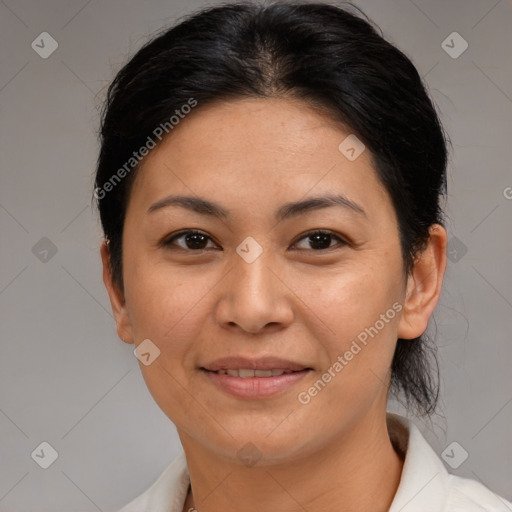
x: 423, y: 483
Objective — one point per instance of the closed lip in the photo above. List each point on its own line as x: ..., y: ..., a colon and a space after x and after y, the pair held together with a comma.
x: 263, y: 363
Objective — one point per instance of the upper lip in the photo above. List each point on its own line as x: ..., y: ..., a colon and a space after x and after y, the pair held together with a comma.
x: 263, y: 363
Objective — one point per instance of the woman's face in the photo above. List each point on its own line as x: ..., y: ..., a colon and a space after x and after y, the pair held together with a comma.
x: 256, y: 285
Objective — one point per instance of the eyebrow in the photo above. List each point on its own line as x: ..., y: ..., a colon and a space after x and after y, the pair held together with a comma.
x: 288, y: 210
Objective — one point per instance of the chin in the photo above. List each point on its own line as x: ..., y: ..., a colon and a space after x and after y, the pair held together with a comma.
x: 262, y: 447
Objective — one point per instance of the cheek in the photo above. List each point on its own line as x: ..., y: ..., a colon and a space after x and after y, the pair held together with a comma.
x: 170, y: 309
x: 164, y: 306
x: 357, y: 311
x: 351, y: 298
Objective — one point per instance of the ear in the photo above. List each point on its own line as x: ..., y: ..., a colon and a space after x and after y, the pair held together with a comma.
x: 424, y: 285
x: 117, y: 301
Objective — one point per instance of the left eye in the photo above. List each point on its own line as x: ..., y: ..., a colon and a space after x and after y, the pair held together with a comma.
x: 320, y: 240
x: 197, y: 241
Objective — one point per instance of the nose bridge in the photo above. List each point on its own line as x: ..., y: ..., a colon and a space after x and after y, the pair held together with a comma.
x: 254, y: 296
x: 252, y: 276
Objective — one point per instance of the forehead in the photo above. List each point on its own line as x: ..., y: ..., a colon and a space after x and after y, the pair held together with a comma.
x: 256, y: 152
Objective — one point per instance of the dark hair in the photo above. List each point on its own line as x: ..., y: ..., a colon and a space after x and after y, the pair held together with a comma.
x: 316, y: 52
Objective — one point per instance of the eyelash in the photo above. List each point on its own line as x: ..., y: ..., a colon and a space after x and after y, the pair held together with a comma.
x: 168, y: 242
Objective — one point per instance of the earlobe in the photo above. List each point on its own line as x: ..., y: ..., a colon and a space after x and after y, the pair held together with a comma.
x: 117, y: 300
x: 424, y: 285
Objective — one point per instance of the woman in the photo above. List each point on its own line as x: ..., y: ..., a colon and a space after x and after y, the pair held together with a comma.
x: 269, y: 186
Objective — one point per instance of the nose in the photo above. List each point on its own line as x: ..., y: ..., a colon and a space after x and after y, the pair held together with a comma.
x: 254, y: 297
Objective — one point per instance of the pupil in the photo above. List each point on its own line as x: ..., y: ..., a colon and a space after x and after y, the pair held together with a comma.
x: 318, y: 238
x: 195, y: 241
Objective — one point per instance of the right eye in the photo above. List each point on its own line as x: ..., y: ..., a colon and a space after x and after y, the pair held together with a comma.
x: 192, y: 240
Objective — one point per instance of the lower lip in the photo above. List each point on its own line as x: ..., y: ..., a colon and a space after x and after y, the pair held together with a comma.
x: 255, y: 387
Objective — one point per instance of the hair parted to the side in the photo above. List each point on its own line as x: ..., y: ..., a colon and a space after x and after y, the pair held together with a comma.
x: 322, y: 54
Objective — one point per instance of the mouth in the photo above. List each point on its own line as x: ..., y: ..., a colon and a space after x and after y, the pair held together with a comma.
x: 254, y: 379
x: 245, y: 365
x: 247, y: 373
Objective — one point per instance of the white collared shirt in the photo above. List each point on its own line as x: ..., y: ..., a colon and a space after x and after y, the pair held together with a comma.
x: 425, y: 484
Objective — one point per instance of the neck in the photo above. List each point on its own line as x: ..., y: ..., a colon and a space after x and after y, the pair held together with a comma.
x: 358, y: 471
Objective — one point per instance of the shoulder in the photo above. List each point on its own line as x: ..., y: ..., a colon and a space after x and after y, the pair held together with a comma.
x: 170, y: 488
x: 467, y: 494
x: 426, y: 485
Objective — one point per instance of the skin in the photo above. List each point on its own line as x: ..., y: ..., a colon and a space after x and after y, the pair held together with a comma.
x: 294, y: 301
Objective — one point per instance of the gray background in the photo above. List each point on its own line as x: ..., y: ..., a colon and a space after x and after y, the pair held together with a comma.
x: 66, y: 379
